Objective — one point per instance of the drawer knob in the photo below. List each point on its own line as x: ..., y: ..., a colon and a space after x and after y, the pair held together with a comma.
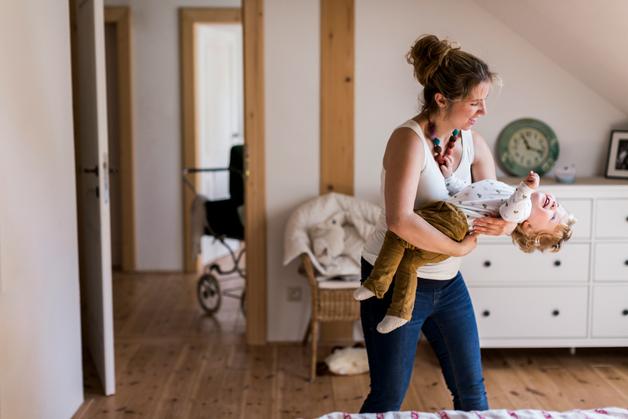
x: 626, y: 262
x: 487, y: 263
x: 627, y: 219
x: 555, y: 313
x: 625, y: 312
x: 557, y: 263
x: 486, y: 313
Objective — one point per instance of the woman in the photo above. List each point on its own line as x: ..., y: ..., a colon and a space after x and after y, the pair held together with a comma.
x: 456, y: 85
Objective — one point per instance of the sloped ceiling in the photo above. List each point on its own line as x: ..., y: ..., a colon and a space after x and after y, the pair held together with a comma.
x: 589, y: 39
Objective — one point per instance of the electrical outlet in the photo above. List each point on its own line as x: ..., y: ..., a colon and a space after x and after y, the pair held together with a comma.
x: 295, y: 294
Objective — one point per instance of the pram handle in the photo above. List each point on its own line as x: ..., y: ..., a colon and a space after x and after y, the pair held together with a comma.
x: 190, y: 170
x: 204, y: 169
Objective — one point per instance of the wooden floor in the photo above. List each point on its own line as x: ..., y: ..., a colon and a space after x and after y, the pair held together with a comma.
x: 172, y: 361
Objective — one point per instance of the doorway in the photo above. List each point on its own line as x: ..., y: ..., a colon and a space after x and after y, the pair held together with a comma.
x: 254, y: 214
x: 211, y: 39
x: 219, y: 107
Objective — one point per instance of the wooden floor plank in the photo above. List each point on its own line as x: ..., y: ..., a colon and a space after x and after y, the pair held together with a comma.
x: 347, y: 395
x: 231, y: 391
x: 535, y: 379
x: 258, y: 394
x: 291, y: 376
x: 616, y: 379
x: 427, y: 390
x: 173, y: 360
x: 176, y: 400
x: 206, y: 392
x: 597, y: 392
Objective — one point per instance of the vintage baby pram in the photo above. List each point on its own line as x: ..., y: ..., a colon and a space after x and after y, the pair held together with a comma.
x: 222, y: 220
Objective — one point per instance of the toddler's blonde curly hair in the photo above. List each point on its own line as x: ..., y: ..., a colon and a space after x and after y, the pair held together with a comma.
x: 529, y: 241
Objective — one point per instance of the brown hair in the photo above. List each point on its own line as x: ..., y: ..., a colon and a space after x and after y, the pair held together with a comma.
x: 442, y: 67
x: 542, y: 241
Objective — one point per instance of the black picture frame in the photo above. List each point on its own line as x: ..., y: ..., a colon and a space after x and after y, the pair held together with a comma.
x: 617, y: 160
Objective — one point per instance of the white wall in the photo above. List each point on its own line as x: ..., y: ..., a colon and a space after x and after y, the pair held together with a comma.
x: 593, y: 34
x: 292, y: 57
x: 40, y: 340
x: 386, y: 95
x: 157, y: 128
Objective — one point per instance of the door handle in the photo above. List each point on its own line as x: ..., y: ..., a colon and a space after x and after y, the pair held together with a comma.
x: 93, y: 170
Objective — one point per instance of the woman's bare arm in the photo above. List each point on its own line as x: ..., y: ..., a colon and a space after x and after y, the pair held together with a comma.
x: 403, y: 162
x: 483, y: 167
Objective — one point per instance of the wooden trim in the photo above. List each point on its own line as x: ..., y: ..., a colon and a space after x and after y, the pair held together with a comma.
x: 211, y: 14
x: 337, y: 96
x: 121, y: 18
x: 188, y: 131
x: 251, y: 16
x: 254, y: 166
x: 337, y: 116
x: 188, y: 17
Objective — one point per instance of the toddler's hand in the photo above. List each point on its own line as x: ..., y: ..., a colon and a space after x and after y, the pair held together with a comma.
x: 447, y: 166
x: 532, y: 180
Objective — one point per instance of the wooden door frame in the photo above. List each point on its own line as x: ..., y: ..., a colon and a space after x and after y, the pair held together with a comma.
x: 337, y: 41
x: 251, y: 16
x: 120, y: 17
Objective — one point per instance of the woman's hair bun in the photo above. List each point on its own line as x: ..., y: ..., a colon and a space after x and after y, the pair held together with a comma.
x: 427, y: 54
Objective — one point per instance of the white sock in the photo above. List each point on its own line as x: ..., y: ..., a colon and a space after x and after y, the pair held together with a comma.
x: 390, y: 323
x: 362, y: 293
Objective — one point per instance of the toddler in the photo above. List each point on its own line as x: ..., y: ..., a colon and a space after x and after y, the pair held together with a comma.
x: 542, y: 224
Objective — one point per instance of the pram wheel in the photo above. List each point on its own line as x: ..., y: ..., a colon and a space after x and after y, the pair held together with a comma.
x: 208, y: 293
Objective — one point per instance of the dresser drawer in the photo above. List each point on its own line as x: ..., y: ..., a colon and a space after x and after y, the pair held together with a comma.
x: 581, y: 209
x: 506, y: 263
x: 611, y: 262
x: 610, y: 311
x: 611, y: 220
x: 536, y: 312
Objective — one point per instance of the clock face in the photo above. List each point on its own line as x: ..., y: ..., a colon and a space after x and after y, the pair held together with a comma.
x: 527, y: 144
x: 528, y: 147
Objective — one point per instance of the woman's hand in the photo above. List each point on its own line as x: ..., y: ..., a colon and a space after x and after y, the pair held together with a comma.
x: 467, y: 245
x: 493, y: 226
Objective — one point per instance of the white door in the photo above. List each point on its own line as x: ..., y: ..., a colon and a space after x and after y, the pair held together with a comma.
x: 93, y: 190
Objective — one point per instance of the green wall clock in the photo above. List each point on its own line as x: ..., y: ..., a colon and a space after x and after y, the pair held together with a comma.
x: 527, y: 144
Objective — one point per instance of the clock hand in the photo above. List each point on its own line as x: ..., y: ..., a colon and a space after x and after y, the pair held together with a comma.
x: 529, y: 147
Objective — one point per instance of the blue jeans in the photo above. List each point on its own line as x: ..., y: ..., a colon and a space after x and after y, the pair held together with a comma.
x: 443, y: 311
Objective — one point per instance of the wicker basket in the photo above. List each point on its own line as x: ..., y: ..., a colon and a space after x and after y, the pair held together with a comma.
x: 328, y: 304
x: 337, y: 304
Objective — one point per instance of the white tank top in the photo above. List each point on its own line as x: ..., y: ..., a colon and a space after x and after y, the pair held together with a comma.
x: 431, y: 188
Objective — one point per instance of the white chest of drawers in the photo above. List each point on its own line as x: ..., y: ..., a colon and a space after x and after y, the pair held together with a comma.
x: 575, y: 298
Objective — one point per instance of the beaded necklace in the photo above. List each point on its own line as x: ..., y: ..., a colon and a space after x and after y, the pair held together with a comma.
x: 449, y: 148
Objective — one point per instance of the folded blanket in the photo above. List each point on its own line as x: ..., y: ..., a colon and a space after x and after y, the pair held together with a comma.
x: 358, y: 221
